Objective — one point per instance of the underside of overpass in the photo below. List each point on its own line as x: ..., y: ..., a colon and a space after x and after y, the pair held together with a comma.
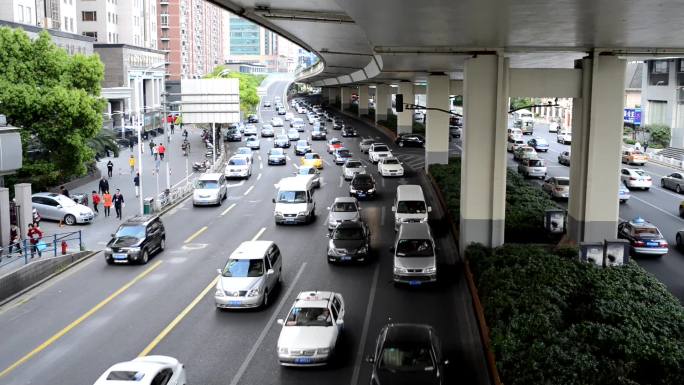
x: 488, y: 51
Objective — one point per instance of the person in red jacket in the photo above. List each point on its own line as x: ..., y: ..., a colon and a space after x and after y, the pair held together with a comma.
x: 35, y: 235
x: 162, y: 150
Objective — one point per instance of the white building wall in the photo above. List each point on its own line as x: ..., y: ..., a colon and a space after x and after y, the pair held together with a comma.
x: 18, y: 11
x: 67, y: 10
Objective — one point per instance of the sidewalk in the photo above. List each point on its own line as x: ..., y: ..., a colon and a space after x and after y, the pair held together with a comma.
x: 96, y: 234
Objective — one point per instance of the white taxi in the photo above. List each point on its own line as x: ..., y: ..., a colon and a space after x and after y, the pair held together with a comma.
x: 311, y: 329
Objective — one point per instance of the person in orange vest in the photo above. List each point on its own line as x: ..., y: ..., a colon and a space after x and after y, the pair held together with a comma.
x: 107, y: 198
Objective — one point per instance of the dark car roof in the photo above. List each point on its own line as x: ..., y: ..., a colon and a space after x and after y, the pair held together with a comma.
x: 140, y: 219
x: 408, y: 334
x: 362, y: 178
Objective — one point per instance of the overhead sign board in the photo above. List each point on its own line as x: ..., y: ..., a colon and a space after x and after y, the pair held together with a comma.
x: 210, y: 100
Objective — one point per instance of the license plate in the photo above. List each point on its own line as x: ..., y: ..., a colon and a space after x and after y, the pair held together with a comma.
x: 652, y: 244
x: 414, y: 283
x: 303, y: 360
x: 289, y: 221
x: 345, y: 258
x: 120, y: 256
x: 234, y: 303
x: 362, y: 194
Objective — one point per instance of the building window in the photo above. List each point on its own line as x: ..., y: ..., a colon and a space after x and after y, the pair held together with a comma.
x: 89, y: 16
x: 164, y: 20
x: 90, y: 34
x: 658, y: 73
x: 20, y: 14
x: 109, y: 17
x: 29, y: 19
x: 659, y: 67
x: 656, y: 112
x: 66, y: 22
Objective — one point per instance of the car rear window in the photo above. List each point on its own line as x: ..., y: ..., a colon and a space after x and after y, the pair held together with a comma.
x: 125, y: 375
x: 563, y: 182
x: 237, y: 162
x: 536, y: 163
x: 380, y: 148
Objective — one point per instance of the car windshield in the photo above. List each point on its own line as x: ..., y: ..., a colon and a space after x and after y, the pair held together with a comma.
x: 563, y: 182
x: 335, y: 142
x: 134, y: 231
x: 541, y: 141
x: 367, y: 141
x: 207, y: 184
x: 344, y: 207
x: 640, y: 173
x: 276, y: 151
x: 252, y: 139
x: 353, y: 164
x: 414, y: 248
x: 380, y: 148
x: 312, y: 156
x: 309, y: 316
x: 343, y: 153
x: 411, y: 207
x: 293, y: 132
x: 362, y: 179
x: 237, y: 161
x: 244, y: 150
x: 244, y: 268
x: 292, y: 197
x: 302, y: 143
x: 406, y: 358
x: 282, y: 138
x: 390, y: 161
x: 348, y: 234
x: 306, y: 171
x: 65, y: 202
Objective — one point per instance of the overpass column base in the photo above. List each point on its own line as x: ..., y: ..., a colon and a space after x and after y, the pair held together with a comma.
x: 345, y: 98
x: 382, y: 102
x: 364, y: 95
x: 405, y: 119
x: 437, y: 127
x: 593, y: 207
x: 483, y: 159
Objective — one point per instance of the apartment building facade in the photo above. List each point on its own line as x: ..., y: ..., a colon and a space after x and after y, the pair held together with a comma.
x: 662, y: 96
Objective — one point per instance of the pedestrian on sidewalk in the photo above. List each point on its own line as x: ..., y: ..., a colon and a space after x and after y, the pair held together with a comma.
x: 162, y: 150
x: 131, y: 163
x: 96, y: 202
x: 63, y: 190
x: 130, y: 143
x: 155, y: 151
x: 152, y: 147
x: 118, y: 200
x: 15, y: 241
x: 136, y: 183
x: 107, y: 199
x: 172, y: 127
x: 35, y: 235
x: 645, y: 146
x: 36, y: 217
x: 110, y: 168
x: 185, y: 133
x: 103, y: 186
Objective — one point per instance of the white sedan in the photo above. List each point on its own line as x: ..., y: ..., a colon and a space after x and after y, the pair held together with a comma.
x: 390, y: 167
x: 311, y: 330
x: 147, y: 370
x: 635, y: 178
x: 293, y: 134
x: 564, y: 137
x: 276, y: 122
x: 377, y: 151
x: 238, y: 167
x: 289, y: 116
x: 352, y: 167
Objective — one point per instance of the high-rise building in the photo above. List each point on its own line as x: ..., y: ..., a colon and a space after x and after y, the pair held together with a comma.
x: 191, y: 34
x: 132, y: 22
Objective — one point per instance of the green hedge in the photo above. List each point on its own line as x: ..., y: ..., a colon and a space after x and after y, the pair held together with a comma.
x: 554, y: 320
x: 525, y: 203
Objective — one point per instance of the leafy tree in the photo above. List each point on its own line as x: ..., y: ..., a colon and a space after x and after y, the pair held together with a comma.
x: 54, y: 99
x: 248, y: 87
x: 102, y: 142
x: 659, y: 134
x: 521, y: 102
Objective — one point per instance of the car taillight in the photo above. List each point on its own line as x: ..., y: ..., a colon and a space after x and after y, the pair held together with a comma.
x: 632, y: 178
x: 559, y: 189
x: 648, y: 179
x: 664, y: 244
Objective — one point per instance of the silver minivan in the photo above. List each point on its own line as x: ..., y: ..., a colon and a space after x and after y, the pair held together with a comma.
x: 250, y: 275
x: 415, y: 257
x: 210, y: 189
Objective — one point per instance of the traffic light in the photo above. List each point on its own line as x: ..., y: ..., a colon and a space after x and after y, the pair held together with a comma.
x: 399, y: 102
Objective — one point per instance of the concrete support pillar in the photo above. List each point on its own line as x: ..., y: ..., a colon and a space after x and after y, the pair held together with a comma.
x: 437, y: 128
x: 596, y: 143
x: 22, y: 196
x: 405, y: 119
x: 383, y: 102
x: 364, y: 95
x: 4, y: 217
x: 483, y: 164
x: 345, y: 98
x: 332, y: 98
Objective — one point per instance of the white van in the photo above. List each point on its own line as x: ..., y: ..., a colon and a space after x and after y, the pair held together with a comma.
x: 294, y: 201
x: 409, y: 205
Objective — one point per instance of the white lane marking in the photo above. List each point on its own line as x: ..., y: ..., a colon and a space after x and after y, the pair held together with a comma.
x: 259, y: 176
x: 326, y: 162
x: 261, y: 166
x: 382, y: 181
x: 657, y: 208
x: 366, y: 324
x: 267, y: 327
x: 236, y: 184
x: 382, y: 216
x: 341, y: 181
x: 295, y: 166
x: 288, y: 157
x: 261, y: 231
x: 260, y: 158
x: 228, y: 209
x: 249, y: 190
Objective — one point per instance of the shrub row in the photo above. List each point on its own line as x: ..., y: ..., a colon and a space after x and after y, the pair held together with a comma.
x: 525, y: 204
x: 554, y: 320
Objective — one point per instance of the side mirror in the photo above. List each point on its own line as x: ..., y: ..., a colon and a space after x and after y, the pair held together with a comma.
x: 280, y: 321
x: 370, y: 359
x: 394, y: 209
x: 59, y: 206
x: 340, y: 322
x: 429, y: 209
x: 112, y: 235
x: 273, y: 200
x: 270, y: 272
x: 219, y: 271
x: 328, y: 208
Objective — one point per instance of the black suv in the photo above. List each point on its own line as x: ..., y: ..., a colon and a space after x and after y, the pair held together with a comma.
x: 338, y: 124
x: 350, y: 241
x: 362, y: 186
x: 412, y: 140
x: 252, y: 119
x: 136, y: 239
x: 233, y: 135
x: 349, y: 131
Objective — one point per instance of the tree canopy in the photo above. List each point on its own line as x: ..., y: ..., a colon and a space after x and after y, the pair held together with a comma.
x: 55, y: 99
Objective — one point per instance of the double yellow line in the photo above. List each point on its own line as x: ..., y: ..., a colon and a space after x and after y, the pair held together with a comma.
x: 79, y: 320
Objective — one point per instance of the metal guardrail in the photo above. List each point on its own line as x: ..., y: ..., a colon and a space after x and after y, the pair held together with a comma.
x: 51, y: 245
x: 665, y: 160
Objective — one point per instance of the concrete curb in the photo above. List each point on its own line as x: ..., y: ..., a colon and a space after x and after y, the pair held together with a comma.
x: 22, y: 285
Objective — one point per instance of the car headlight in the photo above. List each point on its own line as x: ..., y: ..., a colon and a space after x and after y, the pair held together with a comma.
x: 219, y: 293
x: 431, y: 270
x: 370, y: 191
x: 278, y: 213
x: 323, y: 351
x: 362, y: 250
x: 282, y: 350
x: 108, y: 249
x: 302, y: 213
x: 423, y: 220
x: 400, y: 270
x: 134, y: 249
x: 352, y: 190
x: 253, y: 292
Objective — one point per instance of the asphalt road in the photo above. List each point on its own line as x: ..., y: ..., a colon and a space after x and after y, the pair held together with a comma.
x: 657, y: 205
x: 71, y: 329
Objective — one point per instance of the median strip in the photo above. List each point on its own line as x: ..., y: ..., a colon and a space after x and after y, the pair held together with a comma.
x: 79, y: 320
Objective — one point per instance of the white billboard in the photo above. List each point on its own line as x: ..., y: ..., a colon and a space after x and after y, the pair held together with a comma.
x: 210, y: 100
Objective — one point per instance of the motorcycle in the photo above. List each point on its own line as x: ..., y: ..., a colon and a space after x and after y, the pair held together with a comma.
x: 201, y: 166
